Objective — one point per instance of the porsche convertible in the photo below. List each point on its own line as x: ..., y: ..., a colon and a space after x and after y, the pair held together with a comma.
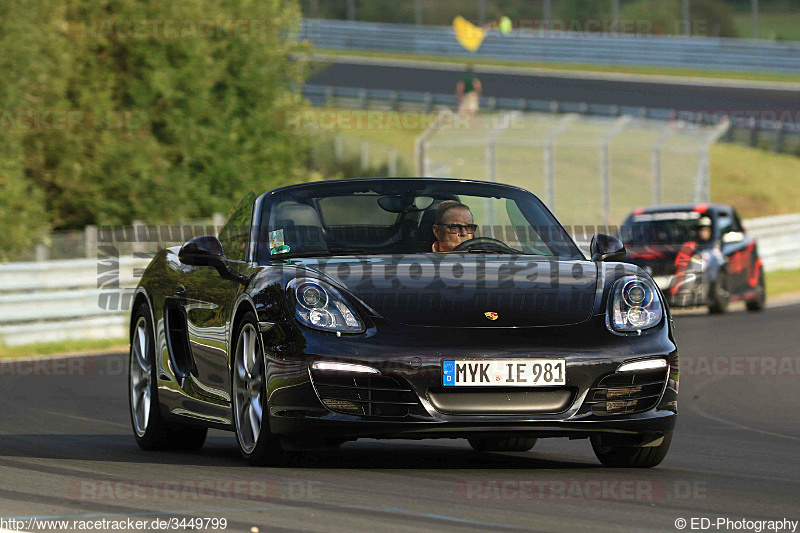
x: 401, y: 308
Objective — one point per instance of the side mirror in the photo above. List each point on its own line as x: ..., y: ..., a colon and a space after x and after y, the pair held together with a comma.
x: 205, y: 250
x: 607, y: 248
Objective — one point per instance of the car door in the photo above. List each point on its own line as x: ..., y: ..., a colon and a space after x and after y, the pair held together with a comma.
x: 735, y: 247
x: 749, y: 255
x: 210, y: 298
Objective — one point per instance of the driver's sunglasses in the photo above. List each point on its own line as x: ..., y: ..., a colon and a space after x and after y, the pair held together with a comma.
x: 456, y: 228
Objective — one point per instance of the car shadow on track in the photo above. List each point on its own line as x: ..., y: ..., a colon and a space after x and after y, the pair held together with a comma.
x: 221, y: 451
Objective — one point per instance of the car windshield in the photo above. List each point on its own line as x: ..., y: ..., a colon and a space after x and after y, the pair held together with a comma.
x: 397, y: 216
x: 667, y: 227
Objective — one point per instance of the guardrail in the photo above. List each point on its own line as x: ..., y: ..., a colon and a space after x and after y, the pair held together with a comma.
x: 87, y: 299
x: 757, y: 133
x: 562, y: 47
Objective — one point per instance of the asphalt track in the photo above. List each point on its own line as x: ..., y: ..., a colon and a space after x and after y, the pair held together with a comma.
x: 66, y: 450
x: 594, y: 89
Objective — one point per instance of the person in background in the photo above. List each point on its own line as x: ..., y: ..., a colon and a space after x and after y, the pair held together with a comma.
x: 505, y: 25
x: 468, y: 92
x: 704, y: 229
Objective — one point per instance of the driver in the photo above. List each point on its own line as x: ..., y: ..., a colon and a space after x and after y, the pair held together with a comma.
x: 704, y: 229
x: 453, y: 225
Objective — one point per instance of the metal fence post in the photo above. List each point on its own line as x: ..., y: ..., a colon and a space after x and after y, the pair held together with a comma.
x: 364, y: 154
x: 42, y: 253
x: 138, y: 245
x: 90, y: 241
x: 419, y: 142
x: 605, y: 164
x: 362, y: 98
x: 779, y: 137
x: 753, y: 140
x: 217, y: 220
x: 549, y: 159
x: 663, y: 137
x: 754, y: 8
x: 490, y: 166
x: 338, y: 147
x: 392, y: 163
x: 701, y: 191
x: 655, y: 162
x: 605, y: 181
x: 549, y: 175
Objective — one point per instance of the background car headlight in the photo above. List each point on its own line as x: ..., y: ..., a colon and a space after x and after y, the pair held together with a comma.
x: 634, y: 304
x: 319, y: 305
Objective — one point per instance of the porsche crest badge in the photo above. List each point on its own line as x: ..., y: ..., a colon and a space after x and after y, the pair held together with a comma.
x: 491, y: 315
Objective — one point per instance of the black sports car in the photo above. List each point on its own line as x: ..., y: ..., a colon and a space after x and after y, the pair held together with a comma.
x: 404, y: 308
x: 698, y: 254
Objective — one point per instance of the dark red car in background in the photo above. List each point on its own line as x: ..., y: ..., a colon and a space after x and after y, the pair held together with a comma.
x: 698, y: 254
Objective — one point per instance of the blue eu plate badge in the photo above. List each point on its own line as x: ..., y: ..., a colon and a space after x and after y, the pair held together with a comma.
x: 448, y: 373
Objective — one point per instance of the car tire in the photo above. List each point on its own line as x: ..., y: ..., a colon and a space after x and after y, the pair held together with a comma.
x: 150, y: 429
x: 631, y: 456
x: 249, y: 399
x: 502, y: 444
x: 720, y: 294
x: 757, y: 303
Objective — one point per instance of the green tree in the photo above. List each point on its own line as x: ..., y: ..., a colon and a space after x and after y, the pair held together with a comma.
x: 176, y: 106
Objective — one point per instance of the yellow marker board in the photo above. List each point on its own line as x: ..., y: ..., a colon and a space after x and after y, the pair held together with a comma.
x: 468, y: 35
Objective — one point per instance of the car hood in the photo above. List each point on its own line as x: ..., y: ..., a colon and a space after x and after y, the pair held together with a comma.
x: 659, y: 259
x: 470, y: 290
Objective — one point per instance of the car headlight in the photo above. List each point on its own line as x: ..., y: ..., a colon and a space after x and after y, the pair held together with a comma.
x: 319, y: 305
x: 635, y: 304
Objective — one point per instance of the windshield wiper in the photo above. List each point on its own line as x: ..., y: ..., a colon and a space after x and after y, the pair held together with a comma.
x: 317, y: 253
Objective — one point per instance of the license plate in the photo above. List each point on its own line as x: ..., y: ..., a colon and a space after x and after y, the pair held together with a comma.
x: 504, y: 373
x: 663, y: 282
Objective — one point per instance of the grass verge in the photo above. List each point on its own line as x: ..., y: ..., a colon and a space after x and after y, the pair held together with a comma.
x: 86, y: 346
x: 578, y: 67
x: 756, y: 182
x: 782, y: 282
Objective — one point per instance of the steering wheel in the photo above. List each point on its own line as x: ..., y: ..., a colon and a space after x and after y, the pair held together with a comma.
x: 484, y: 242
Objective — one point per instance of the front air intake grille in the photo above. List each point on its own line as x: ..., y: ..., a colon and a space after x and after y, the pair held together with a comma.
x: 366, y: 395
x: 626, y: 393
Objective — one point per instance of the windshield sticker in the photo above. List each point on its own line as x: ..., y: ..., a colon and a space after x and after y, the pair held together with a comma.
x: 276, y: 239
x: 282, y: 249
x: 666, y: 215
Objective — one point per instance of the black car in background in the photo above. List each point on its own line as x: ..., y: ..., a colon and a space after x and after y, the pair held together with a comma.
x: 325, y: 313
x: 698, y: 254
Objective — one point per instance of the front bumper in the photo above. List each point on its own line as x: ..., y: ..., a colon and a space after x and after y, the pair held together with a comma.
x: 413, y: 359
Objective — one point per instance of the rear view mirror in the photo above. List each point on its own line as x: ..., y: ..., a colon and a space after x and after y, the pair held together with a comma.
x: 405, y: 204
x: 607, y: 248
